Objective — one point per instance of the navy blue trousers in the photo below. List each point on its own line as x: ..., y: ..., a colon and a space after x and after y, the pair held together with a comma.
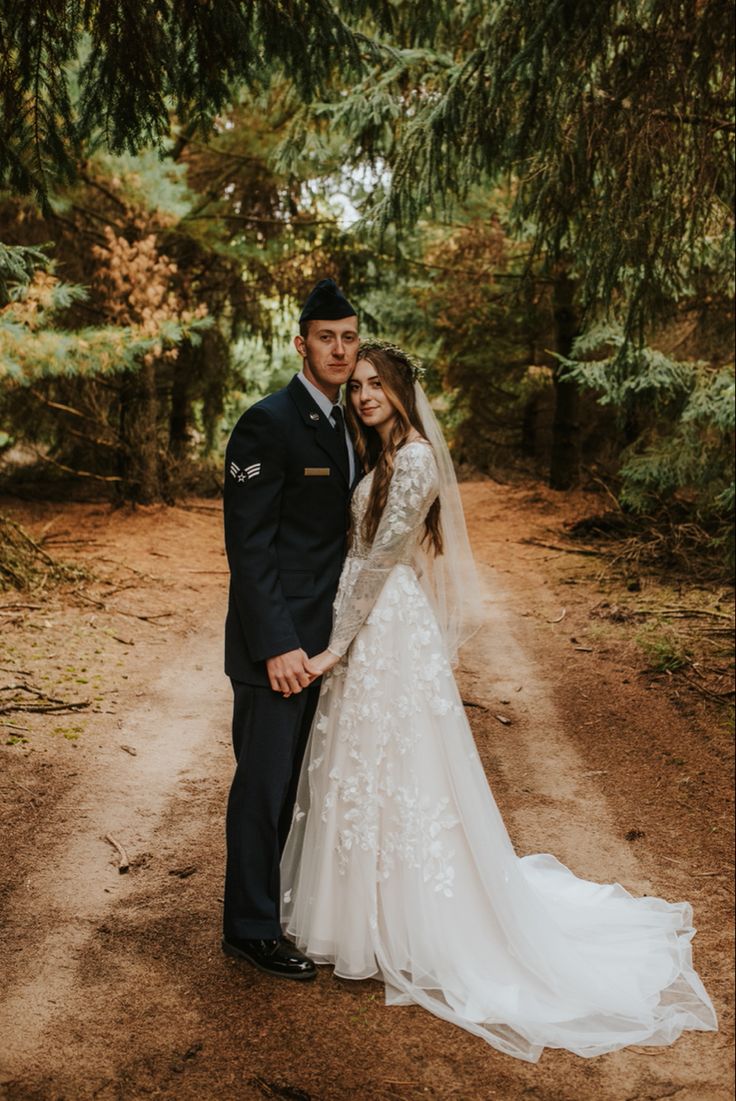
x: 269, y: 738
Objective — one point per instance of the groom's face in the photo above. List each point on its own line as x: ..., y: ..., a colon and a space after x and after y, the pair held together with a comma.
x: 329, y: 350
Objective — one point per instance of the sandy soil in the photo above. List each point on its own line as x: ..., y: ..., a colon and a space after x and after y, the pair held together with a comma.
x: 114, y: 985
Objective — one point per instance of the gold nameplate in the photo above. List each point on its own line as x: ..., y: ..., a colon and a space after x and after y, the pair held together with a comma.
x: 316, y: 471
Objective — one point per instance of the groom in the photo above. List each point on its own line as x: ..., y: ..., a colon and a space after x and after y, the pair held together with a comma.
x: 289, y: 468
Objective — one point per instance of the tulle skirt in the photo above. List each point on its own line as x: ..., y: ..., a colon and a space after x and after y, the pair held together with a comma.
x: 398, y: 866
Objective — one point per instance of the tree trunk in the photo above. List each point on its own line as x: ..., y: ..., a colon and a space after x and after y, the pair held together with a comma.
x: 564, y: 470
x: 149, y: 484
x: 180, y: 413
x: 529, y: 426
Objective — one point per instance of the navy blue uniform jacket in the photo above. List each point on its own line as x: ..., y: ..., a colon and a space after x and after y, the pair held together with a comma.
x: 286, y: 503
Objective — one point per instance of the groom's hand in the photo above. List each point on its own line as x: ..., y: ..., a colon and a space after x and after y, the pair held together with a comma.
x: 288, y: 673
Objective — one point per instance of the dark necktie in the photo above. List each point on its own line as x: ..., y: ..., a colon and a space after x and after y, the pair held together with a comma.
x: 340, y: 429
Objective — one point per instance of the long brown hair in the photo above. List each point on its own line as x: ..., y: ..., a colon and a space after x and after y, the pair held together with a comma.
x: 396, y: 372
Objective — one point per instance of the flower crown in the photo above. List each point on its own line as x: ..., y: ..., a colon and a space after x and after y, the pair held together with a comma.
x: 412, y: 366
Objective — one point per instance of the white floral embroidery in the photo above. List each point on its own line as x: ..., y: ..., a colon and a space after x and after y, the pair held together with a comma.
x: 413, y: 488
x: 370, y: 801
x: 402, y: 866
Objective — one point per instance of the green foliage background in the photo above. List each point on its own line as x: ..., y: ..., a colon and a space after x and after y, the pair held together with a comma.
x: 537, y: 198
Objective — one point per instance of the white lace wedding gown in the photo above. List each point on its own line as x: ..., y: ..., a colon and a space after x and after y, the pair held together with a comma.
x: 398, y: 864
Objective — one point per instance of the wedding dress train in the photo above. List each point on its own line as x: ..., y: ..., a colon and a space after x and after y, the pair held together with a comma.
x: 398, y: 864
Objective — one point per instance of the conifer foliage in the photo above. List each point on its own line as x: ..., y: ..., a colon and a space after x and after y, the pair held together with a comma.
x: 683, y: 450
x: 547, y: 192
x: 614, y: 120
x: 141, y: 60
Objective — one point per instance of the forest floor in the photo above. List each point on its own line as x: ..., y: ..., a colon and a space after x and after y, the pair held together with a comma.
x: 595, y: 714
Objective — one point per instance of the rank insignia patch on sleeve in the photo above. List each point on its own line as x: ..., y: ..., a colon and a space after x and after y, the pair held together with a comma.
x: 242, y: 475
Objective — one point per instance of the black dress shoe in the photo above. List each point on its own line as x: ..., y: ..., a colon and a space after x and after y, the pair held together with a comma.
x: 277, y: 957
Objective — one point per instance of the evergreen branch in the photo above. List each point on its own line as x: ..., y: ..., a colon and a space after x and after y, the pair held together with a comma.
x: 226, y: 216
x: 108, y: 192
x: 71, y: 470
x: 58, y: 405
x: 97, y: 441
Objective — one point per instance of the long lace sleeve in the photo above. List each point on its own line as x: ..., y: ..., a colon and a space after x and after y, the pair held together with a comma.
x: 413, y: 488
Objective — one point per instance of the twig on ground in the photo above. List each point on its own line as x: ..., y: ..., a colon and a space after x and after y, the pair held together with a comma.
x: 126, y: 566
x: 200, y: 508
x: 88, y: 599
x: 19, y: 685
x: 720, y: 696
x: 119, y: 611
x: 124, y: 864
x: 25, y: 787
x: 42, y: 708
x: 31, y: 542
x: 59, y: 542
x: 587, y: 551
x: 145, y: 618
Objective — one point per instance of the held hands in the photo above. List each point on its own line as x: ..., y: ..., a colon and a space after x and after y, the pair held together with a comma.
x: 291, y: 672
x: 323, y: 662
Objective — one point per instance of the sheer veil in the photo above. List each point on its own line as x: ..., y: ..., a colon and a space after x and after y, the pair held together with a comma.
x: 450, y: 579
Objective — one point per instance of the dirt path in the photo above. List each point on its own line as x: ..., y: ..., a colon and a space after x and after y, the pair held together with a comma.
x: 115, y: 988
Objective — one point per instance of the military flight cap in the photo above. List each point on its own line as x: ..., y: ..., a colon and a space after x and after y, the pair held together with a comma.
x: 326, y: 302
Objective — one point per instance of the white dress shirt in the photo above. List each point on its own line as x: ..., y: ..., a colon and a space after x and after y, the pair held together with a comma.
x: 325, y: 405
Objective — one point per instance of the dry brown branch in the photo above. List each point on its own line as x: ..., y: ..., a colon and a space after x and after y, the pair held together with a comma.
x: 21, y: 686
x: 124, y: 864
x: 721, y: 697
x: 71, y: 470
x: 42, y: 708
x: 31, y: 542
x: 588, y: 551
x: 119, y: 611
x: 199, y: 508
x: 145, y: 618
x: 57, y: 405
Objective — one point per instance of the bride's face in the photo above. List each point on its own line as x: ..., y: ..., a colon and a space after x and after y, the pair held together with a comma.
x: 368, y: 398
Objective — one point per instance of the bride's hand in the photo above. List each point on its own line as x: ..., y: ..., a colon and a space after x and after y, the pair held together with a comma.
x: 318, y: 666
x: 322, y: 663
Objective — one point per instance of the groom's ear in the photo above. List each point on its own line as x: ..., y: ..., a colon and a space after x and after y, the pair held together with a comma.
x: 300, y: 345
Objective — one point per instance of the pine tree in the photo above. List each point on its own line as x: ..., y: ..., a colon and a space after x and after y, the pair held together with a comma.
x: 685, y: 415
x: 613, y: 125
x: 114, y: 71
x: 615, y: 121
x: 155, y: 239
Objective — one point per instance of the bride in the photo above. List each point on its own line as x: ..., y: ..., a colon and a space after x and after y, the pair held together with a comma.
x: 398, y: 865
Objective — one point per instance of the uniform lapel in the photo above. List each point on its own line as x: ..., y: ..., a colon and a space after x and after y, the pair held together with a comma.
x: 325, y: 435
